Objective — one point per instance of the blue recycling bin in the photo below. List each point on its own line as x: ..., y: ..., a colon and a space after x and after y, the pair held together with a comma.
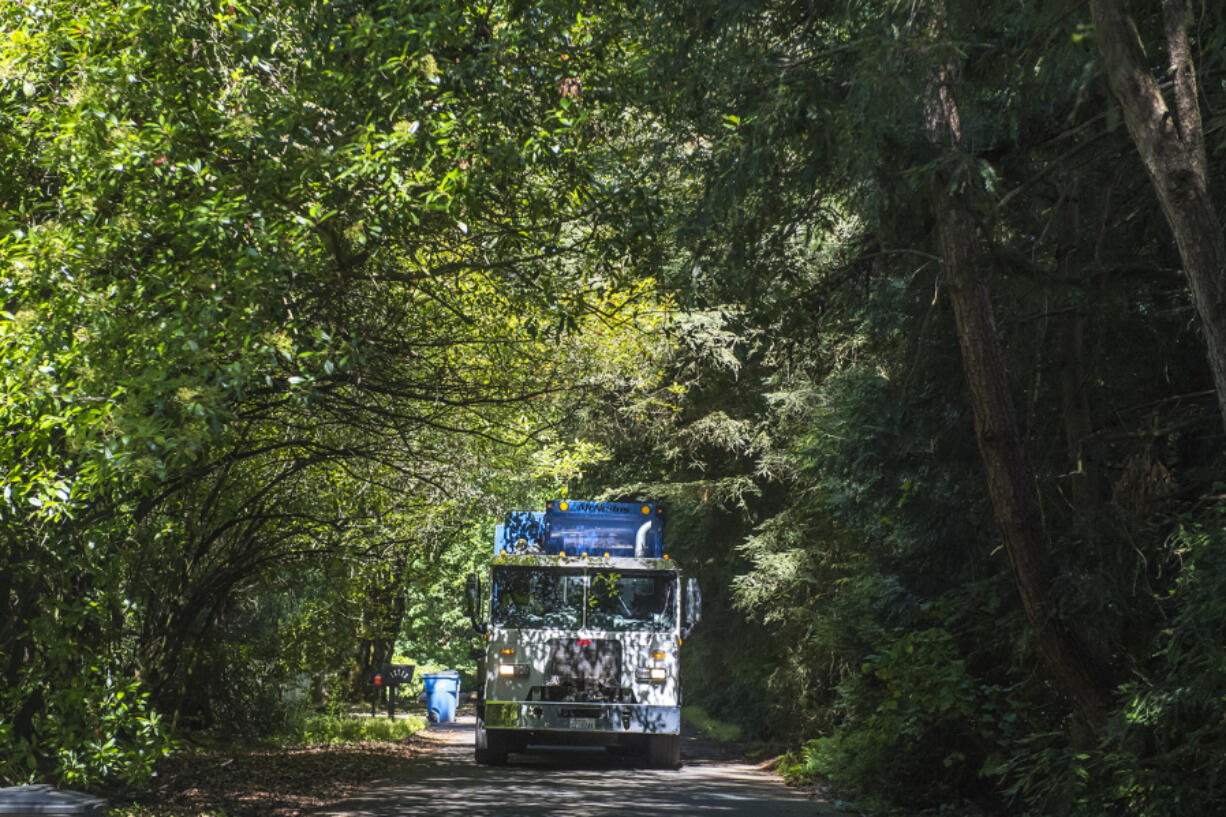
x: 442, y: 695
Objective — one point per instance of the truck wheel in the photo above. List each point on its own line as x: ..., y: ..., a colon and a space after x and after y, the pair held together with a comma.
x: 664, y: 751
x: 491, y: 746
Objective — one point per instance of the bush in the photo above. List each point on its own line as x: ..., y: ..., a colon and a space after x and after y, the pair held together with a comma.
x: 93, y: 728
x: 918, y: 728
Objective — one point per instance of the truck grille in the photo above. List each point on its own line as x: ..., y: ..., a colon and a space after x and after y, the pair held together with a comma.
x: 585, y: 660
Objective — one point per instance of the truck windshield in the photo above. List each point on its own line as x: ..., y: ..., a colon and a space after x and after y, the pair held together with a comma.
x: 535, y: 598
x: 540, y: 598
x: 630, y: 601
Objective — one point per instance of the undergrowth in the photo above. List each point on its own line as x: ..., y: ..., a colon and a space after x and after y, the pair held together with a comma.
x: 329, y: 728
x: 718, y: 730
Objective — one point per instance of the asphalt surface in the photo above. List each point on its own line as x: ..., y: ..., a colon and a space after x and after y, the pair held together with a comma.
x: 571, y: 782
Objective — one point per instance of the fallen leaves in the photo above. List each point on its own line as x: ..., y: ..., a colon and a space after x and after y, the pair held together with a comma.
x: 270, y: 782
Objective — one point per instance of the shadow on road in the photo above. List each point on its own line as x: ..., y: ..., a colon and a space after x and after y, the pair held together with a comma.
x: 568, y: 781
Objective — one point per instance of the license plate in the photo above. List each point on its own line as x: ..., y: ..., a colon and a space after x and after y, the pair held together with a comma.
x: 582, y: 723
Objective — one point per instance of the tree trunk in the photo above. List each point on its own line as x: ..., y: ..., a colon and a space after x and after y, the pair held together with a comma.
x: 1083, y: 476
x: 1172, y: 147
x: 1081, y: 674
x: 384, y: 619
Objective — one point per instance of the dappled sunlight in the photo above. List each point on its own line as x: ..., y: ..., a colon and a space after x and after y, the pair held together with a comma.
x: 572, y: 781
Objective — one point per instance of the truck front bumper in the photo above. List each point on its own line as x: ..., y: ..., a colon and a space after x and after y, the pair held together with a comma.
x: 583, y: 716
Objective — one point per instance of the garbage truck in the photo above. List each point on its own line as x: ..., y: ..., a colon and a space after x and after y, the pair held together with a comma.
x: 583, y: 619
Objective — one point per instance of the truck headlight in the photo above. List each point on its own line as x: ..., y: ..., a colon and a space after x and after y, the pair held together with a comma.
x: 512, y: 670
x: 651, y: 675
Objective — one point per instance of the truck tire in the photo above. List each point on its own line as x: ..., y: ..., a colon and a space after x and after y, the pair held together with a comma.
x: 491, y: 746
x: 664, y: 751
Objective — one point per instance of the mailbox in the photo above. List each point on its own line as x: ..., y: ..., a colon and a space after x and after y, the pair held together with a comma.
x: 395, y: 675
x: 391, y: 677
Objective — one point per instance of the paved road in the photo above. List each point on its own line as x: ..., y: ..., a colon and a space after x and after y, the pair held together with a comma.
x: 574, y: 783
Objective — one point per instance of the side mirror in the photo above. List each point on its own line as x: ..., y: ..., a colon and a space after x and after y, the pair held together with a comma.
x: 691, y: 613
x: 472, y: 601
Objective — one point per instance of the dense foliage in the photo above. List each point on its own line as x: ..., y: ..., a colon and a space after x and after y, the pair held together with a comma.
x: 290, y: 295
x: 949, y: 439
x: 907, y: 311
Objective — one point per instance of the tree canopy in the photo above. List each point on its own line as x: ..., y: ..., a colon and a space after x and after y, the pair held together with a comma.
x: 908, y: 311
x: 290, y: 294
